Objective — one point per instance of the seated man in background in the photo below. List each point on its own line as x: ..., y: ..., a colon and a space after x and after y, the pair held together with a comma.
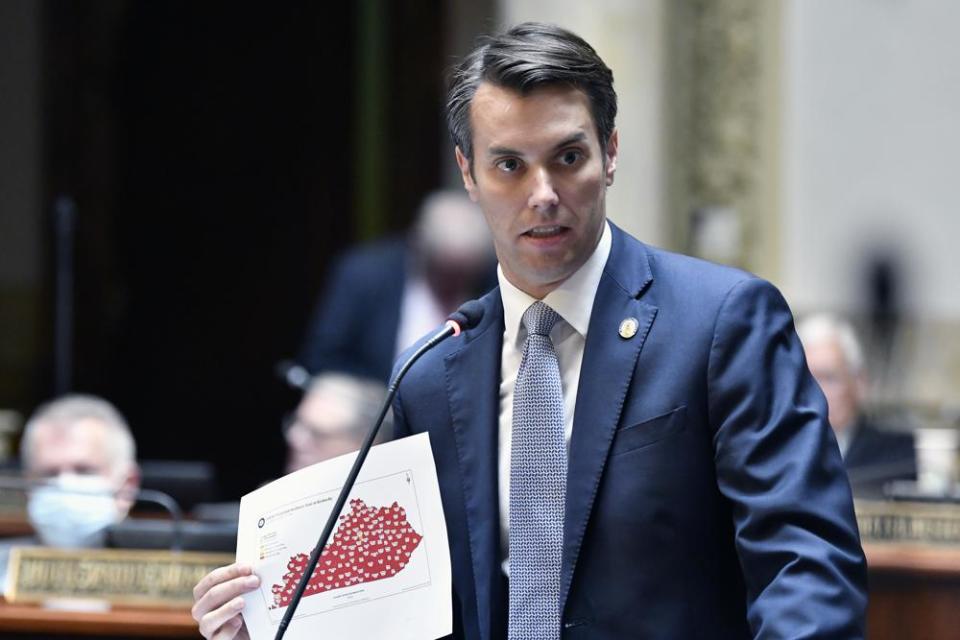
x: 82, y: 449
x: 383, y: 296
x: 872, y: 456
x: 78, y: 453
x: 333, y: 418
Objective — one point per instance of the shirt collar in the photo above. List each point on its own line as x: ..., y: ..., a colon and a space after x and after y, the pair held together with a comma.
x: 573, y: 299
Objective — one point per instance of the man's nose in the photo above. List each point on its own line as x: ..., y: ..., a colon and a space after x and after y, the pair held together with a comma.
x: 543, y: 196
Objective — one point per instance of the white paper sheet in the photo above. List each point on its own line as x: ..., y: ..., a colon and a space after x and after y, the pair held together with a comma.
x: 385, y: 572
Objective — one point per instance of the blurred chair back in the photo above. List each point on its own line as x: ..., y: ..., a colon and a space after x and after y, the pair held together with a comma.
x: 159, y: 534
x: 189, y: 482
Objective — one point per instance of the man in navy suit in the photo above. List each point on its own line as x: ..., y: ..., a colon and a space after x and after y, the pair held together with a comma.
x: 705, y: 496
x: 704, y: 492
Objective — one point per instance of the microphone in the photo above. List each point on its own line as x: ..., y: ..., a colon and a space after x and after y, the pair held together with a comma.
x: 293, y: 374
x: 168, y: 504
x: 466, y: 317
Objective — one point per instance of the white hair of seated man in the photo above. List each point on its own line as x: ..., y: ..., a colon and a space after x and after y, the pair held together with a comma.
x: 835, y: 359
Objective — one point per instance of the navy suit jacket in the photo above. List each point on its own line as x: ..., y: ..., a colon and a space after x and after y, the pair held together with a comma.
x: 706, y: 496
x: 365, y: 286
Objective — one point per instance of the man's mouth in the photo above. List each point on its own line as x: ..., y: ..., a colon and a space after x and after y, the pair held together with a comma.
x: 551, y: 231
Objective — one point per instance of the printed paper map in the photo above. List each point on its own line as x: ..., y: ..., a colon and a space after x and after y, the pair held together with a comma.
x: 370, y: 544
x: 385, y: 570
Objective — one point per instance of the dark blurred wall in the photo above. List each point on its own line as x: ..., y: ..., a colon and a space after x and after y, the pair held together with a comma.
x: 232, y: 180
x: 20, y: 263
x: 210, y: 149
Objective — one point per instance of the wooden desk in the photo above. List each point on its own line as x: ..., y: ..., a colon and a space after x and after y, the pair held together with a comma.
x: 14, y: 526
x: 28, y: 621
x: 914, y: 592
x: 914, y: 595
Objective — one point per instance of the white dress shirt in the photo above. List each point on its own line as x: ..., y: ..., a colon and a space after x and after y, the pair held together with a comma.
x: 420, y: 313
x: 573, y: 301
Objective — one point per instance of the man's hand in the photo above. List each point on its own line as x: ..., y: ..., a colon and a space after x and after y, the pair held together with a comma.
x: 217, y: 602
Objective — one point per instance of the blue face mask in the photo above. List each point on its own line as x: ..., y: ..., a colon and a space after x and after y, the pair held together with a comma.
x: 73, y: 511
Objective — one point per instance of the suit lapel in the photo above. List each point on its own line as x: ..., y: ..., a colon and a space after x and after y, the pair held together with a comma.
x: 472, y: 380
x: 605, y: 376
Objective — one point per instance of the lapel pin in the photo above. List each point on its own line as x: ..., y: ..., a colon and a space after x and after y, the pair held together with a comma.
x: 628, y: 328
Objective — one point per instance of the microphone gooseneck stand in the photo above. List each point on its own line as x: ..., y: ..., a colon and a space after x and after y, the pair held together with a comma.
x: 466, y: 317
x: 170, y: 505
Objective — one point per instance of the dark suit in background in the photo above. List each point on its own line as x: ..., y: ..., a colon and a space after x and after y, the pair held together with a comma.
x: 706, y: 496
x: 876, y: 457
x: 354, y: 325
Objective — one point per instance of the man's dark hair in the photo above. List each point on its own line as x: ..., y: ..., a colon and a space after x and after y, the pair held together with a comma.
x: 528, y: 56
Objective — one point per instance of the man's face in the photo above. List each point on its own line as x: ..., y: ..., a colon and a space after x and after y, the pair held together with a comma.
x: 321, y: 429
x: 842, y: 387
x: 81, y: 450
x: 539, y: 175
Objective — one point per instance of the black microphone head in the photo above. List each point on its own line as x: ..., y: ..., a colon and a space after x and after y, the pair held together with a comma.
x: 293, y: 374
x: 468, y: 315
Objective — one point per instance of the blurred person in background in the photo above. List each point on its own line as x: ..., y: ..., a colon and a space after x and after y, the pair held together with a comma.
x: 79, y: 458
x: 872, y: 456
x: 333, y: 418
x: 383, y: 296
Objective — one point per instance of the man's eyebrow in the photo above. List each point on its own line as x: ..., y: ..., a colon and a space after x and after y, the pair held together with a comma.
x: 577, y: 137
x: 503, y: 151
x: 507, y: 151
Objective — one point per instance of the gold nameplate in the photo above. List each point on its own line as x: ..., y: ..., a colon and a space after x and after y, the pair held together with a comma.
x: 881, y: 521
x: 119, y: 576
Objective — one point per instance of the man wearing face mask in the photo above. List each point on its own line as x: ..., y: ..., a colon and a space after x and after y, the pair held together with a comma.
x: 79, y: 455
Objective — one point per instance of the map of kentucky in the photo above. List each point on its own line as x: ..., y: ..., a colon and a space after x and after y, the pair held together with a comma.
x: 370, y: 543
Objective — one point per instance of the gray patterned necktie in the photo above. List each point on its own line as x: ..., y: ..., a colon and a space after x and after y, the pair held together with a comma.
x: 538, y: 479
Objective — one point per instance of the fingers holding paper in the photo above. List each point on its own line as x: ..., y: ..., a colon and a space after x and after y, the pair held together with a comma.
x: 218, y: 601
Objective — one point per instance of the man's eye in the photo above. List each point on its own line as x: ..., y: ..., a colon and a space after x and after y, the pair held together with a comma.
x: 508, y: 165
x: 570, y: 157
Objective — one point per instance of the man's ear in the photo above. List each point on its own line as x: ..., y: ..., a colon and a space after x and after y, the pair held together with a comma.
x: 611, y: 156
x: 130, y: 486
x: 468, y: 181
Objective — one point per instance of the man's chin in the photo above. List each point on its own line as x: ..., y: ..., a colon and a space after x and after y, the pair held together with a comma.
x: 541, y: 282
